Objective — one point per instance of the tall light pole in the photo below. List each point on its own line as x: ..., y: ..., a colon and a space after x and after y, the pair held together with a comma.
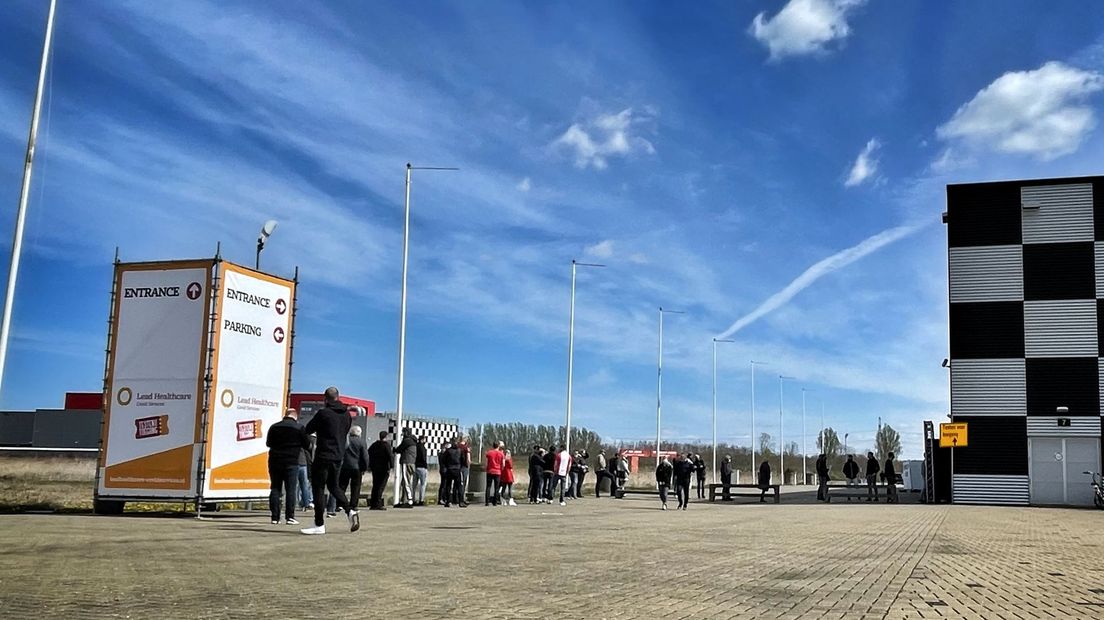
x: 804, y: 451
x: 823, y: 443
x: 781, y: 431
x: 571, y: 348
x: 24, y: 193
x: 715, y: 341
x: 659, y: 378
x: 402, y: 314
x: 753, y: 365
x: 266, y: 232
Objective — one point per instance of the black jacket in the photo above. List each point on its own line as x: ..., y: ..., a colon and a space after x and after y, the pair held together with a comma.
x: 536, y: 464
x: 699, y: 468
x: 850, y: 470
x: 822, y: 467
x: 407, y: 450
x: 726, y: 468
x: 872, y: 467
x: 286, y: 441
x: 684, y: 470
x: 421, y: 459
x: 764, y: 474
x: 449, y: 459
x: 890, y: 472
x: 549, y: 462
x: 663, y: 474
x: 356, y: 455
x: 331, y: 424
x: 380, y: 456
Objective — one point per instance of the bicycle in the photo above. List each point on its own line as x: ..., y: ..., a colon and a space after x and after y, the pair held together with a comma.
x: 1098, y: 489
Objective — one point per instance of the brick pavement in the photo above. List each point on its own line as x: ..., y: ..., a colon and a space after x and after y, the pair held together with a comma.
x: 593, y: 559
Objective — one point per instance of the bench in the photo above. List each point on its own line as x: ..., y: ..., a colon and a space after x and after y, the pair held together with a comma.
x: 860, y: 492
x: 727, y: 494
x: 621, y: 493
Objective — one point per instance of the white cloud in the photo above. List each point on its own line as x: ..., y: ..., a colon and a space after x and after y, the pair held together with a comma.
x: 865, y: 164
x: 803, y: 26
x: 1040, y: 113
x: 608, y: 135
x: 835, y: 262
x: 602, y: 249
x: 524, y: 185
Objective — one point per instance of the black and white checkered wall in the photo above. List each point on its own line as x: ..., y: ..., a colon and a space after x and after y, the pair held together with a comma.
x: 437, y: 432
x: 1026, y: 289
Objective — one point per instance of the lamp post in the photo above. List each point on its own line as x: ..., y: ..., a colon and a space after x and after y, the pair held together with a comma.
x: 753, y: 365
x: 781, y: 431
x: 715, y: 341
x: 24, y: 193
x: 804, y: 436
x: 659, y: 378
x: 571, y: 348
x: 266, y: 232
x: 402, y: 313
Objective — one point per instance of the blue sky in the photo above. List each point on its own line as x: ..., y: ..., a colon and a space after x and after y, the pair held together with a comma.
x: 775, y: 169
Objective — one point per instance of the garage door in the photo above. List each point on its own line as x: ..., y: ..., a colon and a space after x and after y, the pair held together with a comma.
x: 1057, y: 464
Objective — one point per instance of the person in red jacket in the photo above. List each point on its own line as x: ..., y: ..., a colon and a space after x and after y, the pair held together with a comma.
x: 506, y: 481
x: 494, y: 459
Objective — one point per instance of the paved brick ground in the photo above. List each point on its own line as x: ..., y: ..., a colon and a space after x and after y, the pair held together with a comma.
x: 593, y: 559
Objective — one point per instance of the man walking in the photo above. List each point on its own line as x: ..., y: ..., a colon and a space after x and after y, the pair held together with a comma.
x: 890, y: 473
x: 380, y: 459
x: 872, y: 469
x: 407, y: 450
x: 822, y: 477
x: 536, y: 475
x: 421, y: 472
x: 684, y: 471
x: 726, y: 476
x: 330, y: 426
x: 663, y: 479
x: 494, y: 460
x: 354, y: 465
x: 286, y: 441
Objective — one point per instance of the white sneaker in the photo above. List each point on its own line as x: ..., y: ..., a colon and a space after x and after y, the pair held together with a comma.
x: 293, y: 522
x: 310, y: 506
x: 354, y: 520
x: 563, y: 503
x: 319, y: 529
x: 275, y: 522
x: 512, y: 502
x: 665, y: 506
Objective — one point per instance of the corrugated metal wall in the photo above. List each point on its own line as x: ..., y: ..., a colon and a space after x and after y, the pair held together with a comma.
x: 988, y: 387
x: 982, y: 489
x: 1040, y: 426
x: 1064, y: 213
x: 992, y: 273
x: 1060, y: 328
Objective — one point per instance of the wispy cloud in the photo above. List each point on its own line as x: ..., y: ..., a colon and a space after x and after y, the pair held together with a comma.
x: 594, y: 142
x: 865, y: 166
x: 835, y: 262
x: 804, y: 27
x: 602, y: 249
x: 1040, y: 112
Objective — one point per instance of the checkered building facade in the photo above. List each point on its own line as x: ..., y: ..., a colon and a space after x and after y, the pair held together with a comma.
x: 437, y: 432
x: 1026, y: 318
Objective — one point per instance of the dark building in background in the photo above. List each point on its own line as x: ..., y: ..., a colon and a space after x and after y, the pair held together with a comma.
x: 1026, y: 317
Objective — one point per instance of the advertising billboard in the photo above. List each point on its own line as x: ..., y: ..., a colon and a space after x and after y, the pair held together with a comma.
x: 249, y: 388
x: 155, y: 379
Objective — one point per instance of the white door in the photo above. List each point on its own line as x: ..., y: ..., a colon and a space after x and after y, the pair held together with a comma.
x: 1082, y: 454
x: 1057, y: 464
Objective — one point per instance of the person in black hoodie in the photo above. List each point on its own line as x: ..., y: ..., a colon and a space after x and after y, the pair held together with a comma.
x: 450, y: 460
x: 548, y: 471
x: 822, y: 477
x: 764, y: 481
x: 851, y: 472
x: 726, y: 475
x: 684, y: 471
x: 872, y: 469
x: 331, y: 426
x: 890, y: 473
x: 699, y: 471
x: 536, y: 475
x: 286, y: 441
x: 380, y: 461
x: 663, y: 479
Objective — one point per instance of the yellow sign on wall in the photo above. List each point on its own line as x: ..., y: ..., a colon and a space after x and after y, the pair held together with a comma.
x: 952, y: 435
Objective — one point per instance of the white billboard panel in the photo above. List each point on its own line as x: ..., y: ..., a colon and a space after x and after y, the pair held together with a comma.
x: 155, y: 379
x: 249, y: 391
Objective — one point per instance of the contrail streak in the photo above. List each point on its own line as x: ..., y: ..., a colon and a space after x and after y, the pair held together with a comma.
x: 822, y: 268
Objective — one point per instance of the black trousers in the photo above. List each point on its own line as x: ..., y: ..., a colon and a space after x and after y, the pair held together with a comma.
x: 602, y: 475
x: 682, y: 491
x: 324, y: 476
x: 536, y: 484
x: 548, y: 477
x: 490, y: 494
x: 351, y: 479
x: 726, y: 480
x: 663, y: 494
x: 379, y: 483
x: 701, y: 488
x: 452, y: 484
x: 286, y: 479
x: 579, y: 484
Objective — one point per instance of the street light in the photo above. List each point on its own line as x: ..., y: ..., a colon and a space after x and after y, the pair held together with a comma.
x: 753, y: 365
x: 781, y: 431
x: 402, y: 314
x: 266, y: 232
x: 804, y: 437
x: 715, y: 341
x: 659, y: 378
x: 571, y: 347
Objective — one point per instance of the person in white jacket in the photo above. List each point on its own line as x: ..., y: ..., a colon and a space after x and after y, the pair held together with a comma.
x: 560, y: 468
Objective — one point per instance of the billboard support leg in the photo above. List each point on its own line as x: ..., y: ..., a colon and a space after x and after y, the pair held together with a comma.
x: 101, y: 460
x: 205, y: 416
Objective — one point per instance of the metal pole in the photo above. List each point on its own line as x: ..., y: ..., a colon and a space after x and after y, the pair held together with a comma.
x: 659, y: 384
x: 752, y: 470
x: 260, y: 246
x: 714, y: 411
x: 781, y: 434
x: 570, y: 356
x: 24, y: 193
x: 804, y: 451
x: 823, y: 443
x: 402, y: 327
